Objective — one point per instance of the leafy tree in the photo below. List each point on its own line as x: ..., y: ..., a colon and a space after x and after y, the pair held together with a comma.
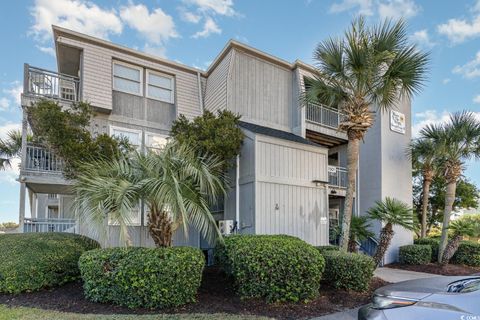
x: 176, y: 184
x: 455, y: 141
x: 459, y: 229
x: 218, y: 134
x: 359, y: 231
x: 474, y: 220
x: 66, y: 132
x: 392, y: 212
x: 370, y: 67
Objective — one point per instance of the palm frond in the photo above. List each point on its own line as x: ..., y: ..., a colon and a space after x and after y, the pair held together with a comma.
x: 394, y: 212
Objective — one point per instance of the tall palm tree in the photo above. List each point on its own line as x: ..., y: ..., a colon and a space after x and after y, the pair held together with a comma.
x: 370, y: 68
x: 176, y: 184
x: 391, y: 212
x: 458, y: 229
x: 359, y: 231
x: 456, y: 141
x: 423, y: 154
x: 10, y: 148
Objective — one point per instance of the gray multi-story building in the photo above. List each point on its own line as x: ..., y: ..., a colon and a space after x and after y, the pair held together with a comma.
x: 290, y: 177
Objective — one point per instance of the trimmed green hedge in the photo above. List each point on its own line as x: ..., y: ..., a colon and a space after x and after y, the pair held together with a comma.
x: 350, y: 271
x: 468, y: 253
x: 328, y: 248
x: 32, y: 261
x: 274, y: 267
x: 433, y: 243
x: 142, y: 277
x: 415, y: 254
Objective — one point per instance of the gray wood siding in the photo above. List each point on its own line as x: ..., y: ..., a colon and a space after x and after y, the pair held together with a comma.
x: 97, y: 77
x: 216, y: 86
x: 260, y: 91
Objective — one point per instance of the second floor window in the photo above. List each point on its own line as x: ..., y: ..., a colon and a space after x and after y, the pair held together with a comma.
x: 127, y: 78
x: 133, y: 136
x: 160, y: 87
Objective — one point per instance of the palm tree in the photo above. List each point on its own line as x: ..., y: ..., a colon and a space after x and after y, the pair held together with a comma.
x: 176, y: 184
x: 391, y: 212
x: 359, y: 231
x: 458, y: 229
x: 423, y: 154
x: 10, y: 148
x: 455, y: 141
x: 370, y: 68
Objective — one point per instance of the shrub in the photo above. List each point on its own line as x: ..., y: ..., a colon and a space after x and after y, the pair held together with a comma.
x: 328, y: 248
x: 468, y: 253
x: 31, y: 261
x: 415, y: 254
x: 433, y: 243
x: 350, y: 271
x: 142, y: 277
x: 273, y: 267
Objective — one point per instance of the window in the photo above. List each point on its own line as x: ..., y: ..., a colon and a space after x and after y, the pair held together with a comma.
x: 52, y: 212
x: 160, y: 87
x: 127, y: 78
x: 155, y: 142
x: 133, y: 136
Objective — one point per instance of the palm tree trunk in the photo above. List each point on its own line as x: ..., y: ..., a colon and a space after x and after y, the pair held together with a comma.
x: 352, y: 245
x: 386, y: 236
x: 353, y: 149
x: 160, y: 227
x: 449, y: 200
x: 451, y: 248
x: 426, y: 192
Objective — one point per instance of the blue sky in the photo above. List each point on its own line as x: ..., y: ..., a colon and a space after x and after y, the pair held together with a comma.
x: 194, y: 31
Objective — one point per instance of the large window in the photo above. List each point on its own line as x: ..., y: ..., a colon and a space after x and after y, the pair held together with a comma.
x: 127, y: 78
x: 133, y: 136
x: 160, y: 86
x: 155, y: 142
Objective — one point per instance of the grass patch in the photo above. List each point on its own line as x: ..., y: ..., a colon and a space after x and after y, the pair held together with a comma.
x: 21, y: 313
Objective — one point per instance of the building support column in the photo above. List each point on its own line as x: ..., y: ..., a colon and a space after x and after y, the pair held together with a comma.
x: 21, y: 214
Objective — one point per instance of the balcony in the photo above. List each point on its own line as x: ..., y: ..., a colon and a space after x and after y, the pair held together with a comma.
x: 41, y: 159
x: 49, y: 225
x: 41, y: 83
x: 322, y: 125
x: 323, y: 116
x: 337, y: 177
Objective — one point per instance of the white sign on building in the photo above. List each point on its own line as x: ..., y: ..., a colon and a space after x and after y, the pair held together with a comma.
x: 397, y: 122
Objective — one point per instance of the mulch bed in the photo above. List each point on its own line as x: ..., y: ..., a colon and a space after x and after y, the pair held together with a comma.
x: 447, y: 270
x: 216, y: 295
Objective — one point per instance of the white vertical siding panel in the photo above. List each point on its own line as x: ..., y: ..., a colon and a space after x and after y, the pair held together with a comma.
x: 216, y: 86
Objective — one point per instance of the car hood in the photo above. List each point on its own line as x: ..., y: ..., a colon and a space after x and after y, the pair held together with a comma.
x: 418, y: 289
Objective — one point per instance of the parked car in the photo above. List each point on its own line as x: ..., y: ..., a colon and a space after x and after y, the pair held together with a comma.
x: 438, y: 298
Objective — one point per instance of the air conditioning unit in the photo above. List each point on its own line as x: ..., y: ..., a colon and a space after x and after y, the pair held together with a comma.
x: 226, y: 227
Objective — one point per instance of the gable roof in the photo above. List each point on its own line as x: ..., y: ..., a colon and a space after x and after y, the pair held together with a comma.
x: 279, y: 134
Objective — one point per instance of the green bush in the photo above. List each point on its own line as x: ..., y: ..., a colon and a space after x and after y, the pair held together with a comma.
x: 32, y: 261
x: 415, y: 254
x: 142, y: 277
x: 328, y: 248
x: 433, y: 243
x: 350, y: 271
x: 468, y: 253
x: 274, y: 267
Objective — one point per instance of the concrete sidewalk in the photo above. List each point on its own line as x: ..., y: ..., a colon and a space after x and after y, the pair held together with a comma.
x: 387, y: 274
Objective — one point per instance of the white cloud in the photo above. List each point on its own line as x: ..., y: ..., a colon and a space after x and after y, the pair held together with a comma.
x: 156, y: 26
x: 428, y: 117
x: 471, y: 69
x: 459, y: 30
x: 476, y: 99
x: 219, y: 7
x: 4, y: 103
x: 159, y: 51
x: 365, y: 7
x: 446, y: 80
x: 79, y: 15
x: 210, y: 27
x: 7, y: 127
x: 396, y: 9
x: 190, y: 16
x: 47, y: 50
x: 422, y: 38
x: 15, y: 92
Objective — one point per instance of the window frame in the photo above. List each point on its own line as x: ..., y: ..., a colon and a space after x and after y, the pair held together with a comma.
x: 147, y: 134
x: 164, y: 75
x: 139, y: 132
x: 131, y: 66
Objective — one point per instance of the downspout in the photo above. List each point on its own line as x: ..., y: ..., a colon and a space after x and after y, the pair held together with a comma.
x: 237, y: 194
x: 200, y: 95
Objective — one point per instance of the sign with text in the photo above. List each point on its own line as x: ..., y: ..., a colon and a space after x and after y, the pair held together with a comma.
x: 397, y: 122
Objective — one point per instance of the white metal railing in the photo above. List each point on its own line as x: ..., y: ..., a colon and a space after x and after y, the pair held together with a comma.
x: 49, y: 225
x: 337, y: 176
x: 323, y: 115
x: 42, y: 159
x: 51, y: 85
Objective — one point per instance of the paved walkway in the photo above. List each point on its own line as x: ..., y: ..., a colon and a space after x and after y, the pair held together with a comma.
x: 387, y: 274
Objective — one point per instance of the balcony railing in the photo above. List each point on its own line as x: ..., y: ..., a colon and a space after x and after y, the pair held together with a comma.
x: 42, y: 159
x: 49, y: 225
x: 323, y: 115
x: 51, y: 85
x: 337, y: 176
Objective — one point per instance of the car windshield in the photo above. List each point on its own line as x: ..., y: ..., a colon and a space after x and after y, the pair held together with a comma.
x: 470, y: 286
